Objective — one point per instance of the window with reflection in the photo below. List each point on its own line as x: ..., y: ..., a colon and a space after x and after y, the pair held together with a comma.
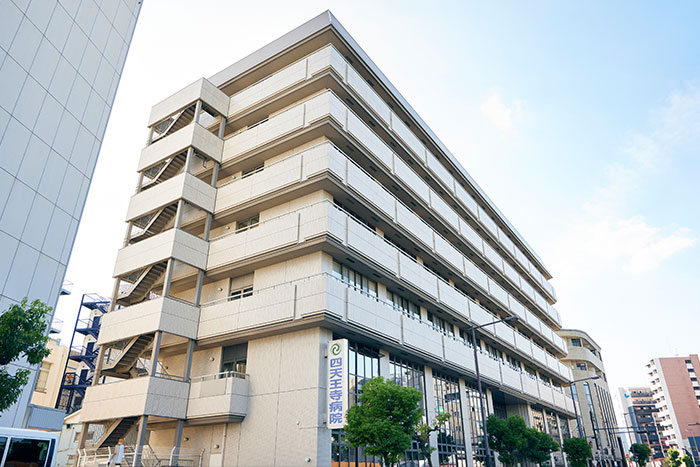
x: 452, y: 450
x: 475, y: 423
x: 411, y: 375
x: 404, y: 305
x: 363, y: 365
x: 354, y: 279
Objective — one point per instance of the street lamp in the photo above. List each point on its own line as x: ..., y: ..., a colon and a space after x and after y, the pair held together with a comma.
x: 575, y: 401
x: 510, y: 319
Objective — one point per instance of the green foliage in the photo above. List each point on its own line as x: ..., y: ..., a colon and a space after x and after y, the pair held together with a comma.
x: 688, y: 461
x: 640, y: 453
x: 508, y: 438
x: 423, y: 436
x: 578, y: 451
x: 516, y: 443
x: 540, y: 446
x: 385, y: 420
x: 673, y: 457
x: 22, y: 330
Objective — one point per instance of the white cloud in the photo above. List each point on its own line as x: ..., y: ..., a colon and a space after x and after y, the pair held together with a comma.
x: 499, y: 114
x: 604, y: 235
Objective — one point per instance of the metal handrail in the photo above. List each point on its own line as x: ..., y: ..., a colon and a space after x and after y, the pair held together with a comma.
x: 220, y: 375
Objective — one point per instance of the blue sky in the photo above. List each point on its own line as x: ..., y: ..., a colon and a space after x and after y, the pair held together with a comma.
x: 581, y: 120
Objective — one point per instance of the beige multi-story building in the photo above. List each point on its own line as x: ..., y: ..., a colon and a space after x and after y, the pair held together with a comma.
x: 293, y: 199
x: 48, y: 382
x: 676, y: 394
x: 596, y: 414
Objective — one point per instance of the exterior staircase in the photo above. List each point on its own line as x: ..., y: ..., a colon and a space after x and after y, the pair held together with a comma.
x: 143, y: 284
x: 165, y: 170
x: 154, y: 223
x: 124, y: 365
x: 114, y: 432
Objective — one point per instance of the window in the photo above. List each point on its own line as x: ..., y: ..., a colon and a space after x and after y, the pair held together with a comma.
x: 581, y: 366
x: 24, y: 451
x: 493, y: 352
x: 247, y: 224
x: 451, y: 446
x: 403, y: 305
x: 233, y: 360
x: 363, y: 364
x: 240, y: 293
x: 513, y: 362
x: 411, y: 375
x: 355, y: 279
x: 254, y: 170
x: 439, y: 324
x: 43, y: 377
x: 576, y: 342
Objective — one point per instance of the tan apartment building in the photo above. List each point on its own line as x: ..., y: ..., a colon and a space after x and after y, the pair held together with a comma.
x: 676, y: 393
x: 596, y: 414
x: 296, y: 230
x: 48, y: 382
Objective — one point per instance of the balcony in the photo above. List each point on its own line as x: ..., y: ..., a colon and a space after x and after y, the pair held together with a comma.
x: 218, y: 398
x: 328, y: 105
x: 324, y: 294
x: 324, y: 218
x: 162, y: 314
x: 584, y: 354
x: 193, y: 135
x: 147, y: 395
x: 184, y: 186
x: 211, y: 96
x: 173, y: 243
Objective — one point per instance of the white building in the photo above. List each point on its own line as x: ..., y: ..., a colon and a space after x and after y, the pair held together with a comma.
x: 293, y: 199
x: 60, y: 64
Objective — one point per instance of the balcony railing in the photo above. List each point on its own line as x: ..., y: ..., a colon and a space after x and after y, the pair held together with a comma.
x: 325, y: 293
x: 329, y: 57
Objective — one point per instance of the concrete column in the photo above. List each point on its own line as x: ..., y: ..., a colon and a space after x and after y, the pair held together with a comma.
x: 115, y: 294
x: 384, y: 364
x: 430, y: 409
x: 98, y: 365
x: 466, y: 421
x: 178, y: 213
x: 197, y: 111
x: 222, y: 127
x: 188, y: 159
x: 177, y: 441
x: 561, y: 441
x: 168, y: 277
x: 188, y: 361
x: 149, y: 140
x: 140, y: 440
x: 83, y: 435
x: 155, y: 350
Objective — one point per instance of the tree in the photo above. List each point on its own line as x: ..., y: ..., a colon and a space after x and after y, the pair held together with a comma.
x: 688, y: 461
x: 578, y: 451
x: 423, y: 436
x: 515, y: 442
x: 508, y: 438
x: 385, y: 420
x: 673, y: 457
x: 640, y: 453
x: 22, y: 329
x: 539, y: 446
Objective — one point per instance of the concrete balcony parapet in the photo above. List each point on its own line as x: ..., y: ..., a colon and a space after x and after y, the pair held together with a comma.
x: 202, y: 89
x: 173, y: 243
x: 218, y: 398
x: 184, y: 186
x: 161, y: 314
x: 147, y: 395
x: 193, y: 135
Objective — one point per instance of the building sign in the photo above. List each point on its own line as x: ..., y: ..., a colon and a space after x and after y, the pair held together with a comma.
x: 337, y: 383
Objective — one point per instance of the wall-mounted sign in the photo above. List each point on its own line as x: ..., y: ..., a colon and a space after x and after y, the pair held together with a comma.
x: 337, y: 383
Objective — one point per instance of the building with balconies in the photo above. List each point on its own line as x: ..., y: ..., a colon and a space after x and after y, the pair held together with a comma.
x: 640, y: 419
x: 60, y: 66
x: 676, y: 395
x: 293, y: 199
x: 596, y: 414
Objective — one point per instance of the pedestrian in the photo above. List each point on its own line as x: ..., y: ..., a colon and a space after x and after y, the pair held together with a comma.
x: 118, y: 456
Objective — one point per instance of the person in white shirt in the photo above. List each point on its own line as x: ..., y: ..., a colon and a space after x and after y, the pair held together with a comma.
x: 118, y: 456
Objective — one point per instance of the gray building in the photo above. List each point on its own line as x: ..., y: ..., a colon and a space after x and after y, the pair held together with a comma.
x: 60, y: 65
